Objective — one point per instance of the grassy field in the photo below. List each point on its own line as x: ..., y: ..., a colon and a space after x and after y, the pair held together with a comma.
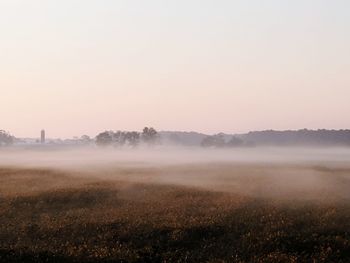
x: 194, y: 213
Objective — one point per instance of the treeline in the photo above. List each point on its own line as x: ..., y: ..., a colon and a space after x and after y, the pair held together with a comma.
x: 303, y: 137
x: 220, y: 141
x: 6, y: 139
x: 148, y: 136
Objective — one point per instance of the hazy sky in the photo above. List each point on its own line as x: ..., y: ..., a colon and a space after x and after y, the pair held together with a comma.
x: 79, y: 67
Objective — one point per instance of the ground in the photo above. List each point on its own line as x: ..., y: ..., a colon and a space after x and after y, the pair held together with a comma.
x: 149, y: 214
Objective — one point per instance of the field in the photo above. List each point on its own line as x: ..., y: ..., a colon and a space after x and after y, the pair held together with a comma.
x: 205, y: 212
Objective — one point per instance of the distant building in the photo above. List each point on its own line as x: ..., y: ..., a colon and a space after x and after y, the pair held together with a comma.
x: 42, y: 137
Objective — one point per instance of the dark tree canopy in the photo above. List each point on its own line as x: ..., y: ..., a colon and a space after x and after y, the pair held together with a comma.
x: 118, y: 138
x: 133, y: 138
x: 104, y: 138
x: 5, y: 138
x: 217, y: 140
x: 85, y: 139
x: 235, y: 142
x: 150, y: 136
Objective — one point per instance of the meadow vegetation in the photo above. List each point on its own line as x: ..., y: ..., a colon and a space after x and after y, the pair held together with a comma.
x: 52, y: 215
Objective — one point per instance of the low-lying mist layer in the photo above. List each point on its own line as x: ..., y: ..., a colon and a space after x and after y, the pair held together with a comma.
x: 264, y: 172
x: 91, y: 156
x: 175, y: 205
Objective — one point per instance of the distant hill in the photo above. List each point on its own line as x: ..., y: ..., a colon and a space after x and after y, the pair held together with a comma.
x: 182, y: 138
x: 268, y: 138
x: 299, y: 138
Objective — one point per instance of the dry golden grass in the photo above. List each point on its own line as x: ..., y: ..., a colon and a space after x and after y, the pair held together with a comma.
x: 195, y: 213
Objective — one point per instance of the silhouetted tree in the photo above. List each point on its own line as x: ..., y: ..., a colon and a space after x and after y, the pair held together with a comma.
x: 85, y: 139
x: 127, y: 138
x: 5, y: 138
x: 104, y: 138
x: 133, y: 138
x: 118, y: 138
x: 235, y: 142
x: 217, y: 140
x: 149, y: 136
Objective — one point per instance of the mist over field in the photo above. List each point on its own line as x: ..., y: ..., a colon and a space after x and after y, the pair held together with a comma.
x: 291, y: 172
x: 175, y: 204
x: 161, y: 155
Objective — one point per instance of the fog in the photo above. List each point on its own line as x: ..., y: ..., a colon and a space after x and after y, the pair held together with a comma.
x: 280, y: 173
x: 83, y: 157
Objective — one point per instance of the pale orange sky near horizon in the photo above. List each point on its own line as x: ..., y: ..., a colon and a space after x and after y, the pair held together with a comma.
x: 81, y: 67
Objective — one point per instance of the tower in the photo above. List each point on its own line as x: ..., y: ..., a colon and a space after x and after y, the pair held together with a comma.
x: 42, y: 136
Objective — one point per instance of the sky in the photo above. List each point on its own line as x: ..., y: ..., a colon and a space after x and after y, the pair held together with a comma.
x: 75, y: 67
